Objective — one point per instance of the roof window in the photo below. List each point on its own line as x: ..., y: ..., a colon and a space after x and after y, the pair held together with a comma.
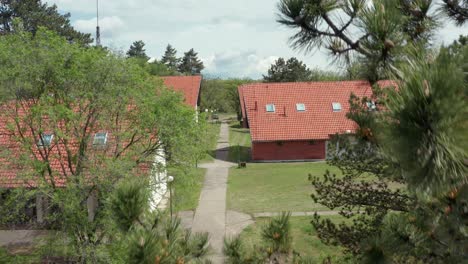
x: 270, y: 108
x: 45, y: 140
x: 371, y: 105
x: 100, y: 139
x: 336, y: 107
x: 300, y: 107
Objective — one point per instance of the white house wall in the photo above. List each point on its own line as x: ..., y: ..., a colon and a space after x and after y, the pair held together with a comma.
x: 158, y: 181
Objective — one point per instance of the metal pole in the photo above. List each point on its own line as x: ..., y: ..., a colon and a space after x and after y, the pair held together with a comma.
x: 98, y: 31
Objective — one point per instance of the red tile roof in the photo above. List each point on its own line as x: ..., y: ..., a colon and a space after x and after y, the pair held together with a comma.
x: 12, y: 175
x: 188, y: 85
x: 318, y: 121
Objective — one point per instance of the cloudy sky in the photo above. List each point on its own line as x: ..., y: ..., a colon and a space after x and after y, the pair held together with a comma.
x: 233, y: 38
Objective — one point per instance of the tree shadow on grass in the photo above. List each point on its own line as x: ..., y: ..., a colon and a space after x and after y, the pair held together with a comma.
x: 232, y: 154
x: 239, y: 128
x: 236, y: 125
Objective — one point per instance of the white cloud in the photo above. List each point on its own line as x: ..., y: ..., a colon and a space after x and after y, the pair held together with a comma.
x: 237, y: 64
x: 234, y: 38
x: 110, y: 26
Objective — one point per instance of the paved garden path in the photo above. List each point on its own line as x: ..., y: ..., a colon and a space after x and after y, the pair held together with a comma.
x: 210, y: 215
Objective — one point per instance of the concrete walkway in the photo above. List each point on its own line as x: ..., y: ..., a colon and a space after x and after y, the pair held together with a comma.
x: 210, y: 215
x: 20, y: 237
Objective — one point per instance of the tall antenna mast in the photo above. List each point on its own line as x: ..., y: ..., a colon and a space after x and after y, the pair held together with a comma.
x: 98, y: 33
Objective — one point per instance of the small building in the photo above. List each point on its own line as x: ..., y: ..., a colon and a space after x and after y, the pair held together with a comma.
x: 59, y: 152
x: 189, y: 86
x: 294, y: 121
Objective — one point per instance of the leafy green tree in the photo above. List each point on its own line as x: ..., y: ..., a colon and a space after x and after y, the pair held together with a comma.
x: 291, y: 70
x: 170, y: 58
x: 157, y: 68
x: 137, y: 50
x: 222, y: 95
x: 35, y: 14
x: 51, y: 86
x: 191, y: 64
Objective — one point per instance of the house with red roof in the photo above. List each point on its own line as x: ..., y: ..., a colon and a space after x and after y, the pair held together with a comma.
x: 294, y: 121
x: 52, y: 144
x: 189, y: 86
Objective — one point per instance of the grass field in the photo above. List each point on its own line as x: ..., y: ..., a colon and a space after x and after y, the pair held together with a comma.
x: 5, y: 257
x: 212, y: 135
x: 240, y: 143
x: 305, y: 240
x: 274, y: 187
x: 187, y: 188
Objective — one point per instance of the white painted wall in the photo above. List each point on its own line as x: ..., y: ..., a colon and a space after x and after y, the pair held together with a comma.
x: 158, y: 182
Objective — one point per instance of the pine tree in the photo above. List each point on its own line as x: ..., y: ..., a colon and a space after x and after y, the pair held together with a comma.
x: 457, y: 10
x: 419, y: 140
x: 35, y: 14
x: 170, y: 58
x: 384, y: 29
x: 151, y: 237
x: 191, y: 64
x: 137, y: 50
x: 426, y: 136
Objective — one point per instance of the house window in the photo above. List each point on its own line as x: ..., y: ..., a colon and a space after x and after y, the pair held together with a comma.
x: 371, y: 105
x: 100, y: 139
x: 270, y: 108
x: 300, y: 107
x: 312, y: 142
x: 45, y: 140
x: 336, y: 107
x: 279, y: 143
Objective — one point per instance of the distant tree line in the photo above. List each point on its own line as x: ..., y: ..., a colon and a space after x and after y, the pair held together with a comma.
x: 294, y: 70
x: 169, y: 64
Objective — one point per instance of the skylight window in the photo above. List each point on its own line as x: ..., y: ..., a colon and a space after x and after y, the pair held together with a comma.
x: 371, y: 105
x: 300, y: 107
x: 270, y: 108
x: 45, y: 140
x: 100, y: 139
x: 336, y: 107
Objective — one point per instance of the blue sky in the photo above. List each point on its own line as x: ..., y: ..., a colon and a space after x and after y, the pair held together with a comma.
x: 233, y: 38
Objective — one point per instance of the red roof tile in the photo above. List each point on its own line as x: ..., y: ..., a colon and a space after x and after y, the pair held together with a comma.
x: 318, y: 121
x: 11, y: 174
x: 188, y: 85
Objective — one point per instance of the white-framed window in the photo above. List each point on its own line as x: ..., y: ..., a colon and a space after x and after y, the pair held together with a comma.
x: 336, y: 107
x: 300, y: 107
x: 45, y: 140
x: 371, y: 105
x: 270, y: 108
x: 100, y: 139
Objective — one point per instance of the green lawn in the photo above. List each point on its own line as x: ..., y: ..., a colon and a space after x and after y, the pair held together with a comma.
x: 274, y: 187
x: 212, y: 135
x: 240, y: 143
x: 187, y: 188
x: 5, y: 257
x: 305, y: 240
